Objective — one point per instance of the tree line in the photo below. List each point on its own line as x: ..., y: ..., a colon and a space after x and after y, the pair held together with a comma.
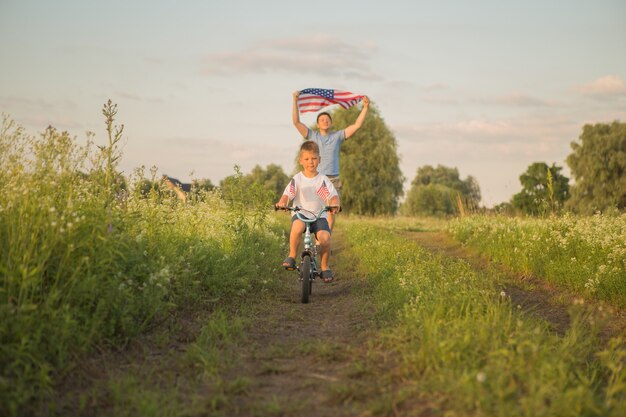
x: 373, y: 182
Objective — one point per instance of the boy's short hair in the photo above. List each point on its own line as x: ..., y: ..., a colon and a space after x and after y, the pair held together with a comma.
x: 310, y: 146
x: 322, y: 114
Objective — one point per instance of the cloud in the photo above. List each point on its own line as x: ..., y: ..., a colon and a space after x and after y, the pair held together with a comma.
x: 607, y: 86
x: 39, y: 123
x: 136, y: 97
x: 519, y: 100
x: 468, y: 128
x: 443, y: 94
x: 526, y: 132
x: 321, y: 55
x: 448, y: 101
x: 39, y: 113
x: 36, y: 104
x: 435, y: 87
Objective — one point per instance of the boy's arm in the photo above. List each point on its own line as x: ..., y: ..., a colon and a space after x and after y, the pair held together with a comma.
x: 351, y: 130
x: 334, y: 201
x: 295, y: 116
x: 288, y: 194
x: 283, y: 201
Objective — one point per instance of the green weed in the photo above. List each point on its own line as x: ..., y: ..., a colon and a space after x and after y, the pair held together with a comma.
x: 89, y: 258
x: 584, y: 254
x: 451, y: 329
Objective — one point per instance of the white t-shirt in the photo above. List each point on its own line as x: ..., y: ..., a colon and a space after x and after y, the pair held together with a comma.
x: 311, y: 194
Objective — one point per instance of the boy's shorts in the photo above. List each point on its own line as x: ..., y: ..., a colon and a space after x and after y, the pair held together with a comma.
x: 319, y: 225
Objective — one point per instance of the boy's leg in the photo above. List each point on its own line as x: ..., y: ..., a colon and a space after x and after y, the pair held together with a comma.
x: 322, y: 231
x: 324, y: 238
x: 297, y: 228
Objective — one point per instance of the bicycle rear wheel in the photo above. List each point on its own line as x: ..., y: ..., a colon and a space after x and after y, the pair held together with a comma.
x: 305, y: 275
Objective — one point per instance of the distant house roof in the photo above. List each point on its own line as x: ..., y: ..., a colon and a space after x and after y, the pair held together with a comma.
x: 177, y: 183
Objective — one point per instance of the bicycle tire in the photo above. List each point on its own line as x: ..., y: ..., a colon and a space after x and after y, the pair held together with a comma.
x: 305, y: 272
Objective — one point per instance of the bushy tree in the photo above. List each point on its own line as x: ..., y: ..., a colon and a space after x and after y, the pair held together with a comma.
x: 370, y: 166
x: 203, y: 184
x: 438, y: 191
x: 544, y: 189
x: 431, y: 200
x: 272, y: 179
x: 503, y: 208
x: 598, y: 165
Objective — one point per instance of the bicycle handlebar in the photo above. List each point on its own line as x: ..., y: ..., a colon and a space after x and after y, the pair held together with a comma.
x: 297, y: 210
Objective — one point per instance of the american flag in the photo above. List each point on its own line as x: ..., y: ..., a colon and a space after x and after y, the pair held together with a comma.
x: 323, y: 191
x: 314, y: 99
x: 292, y: 189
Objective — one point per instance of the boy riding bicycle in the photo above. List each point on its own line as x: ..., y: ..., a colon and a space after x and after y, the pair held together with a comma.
x: 310, y: 191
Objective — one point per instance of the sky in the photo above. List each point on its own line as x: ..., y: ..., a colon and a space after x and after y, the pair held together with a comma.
x: 488, y: 87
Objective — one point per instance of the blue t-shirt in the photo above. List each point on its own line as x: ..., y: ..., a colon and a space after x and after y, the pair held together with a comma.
x: 329, y: 150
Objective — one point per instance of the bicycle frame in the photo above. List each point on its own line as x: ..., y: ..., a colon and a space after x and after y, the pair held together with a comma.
x: 309, y: 248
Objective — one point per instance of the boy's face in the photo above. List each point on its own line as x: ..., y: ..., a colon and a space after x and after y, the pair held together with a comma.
x: 309, y: 161
x: 324, y: 122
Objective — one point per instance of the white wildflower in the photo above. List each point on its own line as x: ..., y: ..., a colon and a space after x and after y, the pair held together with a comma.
x: 481, y: 377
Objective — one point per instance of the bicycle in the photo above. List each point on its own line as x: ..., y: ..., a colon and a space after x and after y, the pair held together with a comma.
x: 308, y: 270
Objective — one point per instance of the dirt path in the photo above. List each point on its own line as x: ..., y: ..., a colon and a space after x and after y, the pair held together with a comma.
x: 300, y: 355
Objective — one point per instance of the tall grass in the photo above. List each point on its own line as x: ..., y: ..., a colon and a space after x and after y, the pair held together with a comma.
x: 457, y: 343
x: 86, y: 260
x: 585, y: 254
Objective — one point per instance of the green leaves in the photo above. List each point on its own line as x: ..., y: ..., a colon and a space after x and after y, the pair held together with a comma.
x: 598, y: 164
x: 440, y: 191
x: 544, y: 190
x: 370, y: 166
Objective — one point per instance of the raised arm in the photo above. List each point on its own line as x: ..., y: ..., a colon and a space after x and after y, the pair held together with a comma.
x: 295, y: 116
x: 351, y: 130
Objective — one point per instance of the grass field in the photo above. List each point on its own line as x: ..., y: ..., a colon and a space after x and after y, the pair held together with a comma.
x: 89, y: 265
x: 86, y: 263
x: 460, y: 339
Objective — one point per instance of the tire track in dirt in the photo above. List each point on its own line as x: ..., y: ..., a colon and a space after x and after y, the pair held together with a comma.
x: 529, y: 293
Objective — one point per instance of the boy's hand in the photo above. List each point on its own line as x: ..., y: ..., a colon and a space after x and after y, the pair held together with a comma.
x: 281, y: 205
x: 366, y: 101
x: 296, y: 94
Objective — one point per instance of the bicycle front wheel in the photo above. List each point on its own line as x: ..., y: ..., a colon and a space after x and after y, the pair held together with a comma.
x: 305, y: 275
